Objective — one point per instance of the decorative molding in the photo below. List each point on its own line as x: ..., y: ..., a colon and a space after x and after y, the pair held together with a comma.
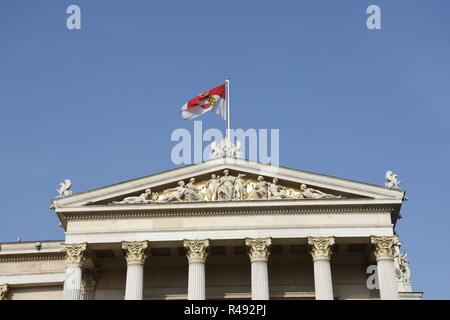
x: 221, y: 212
x: 320, y: 247
x: 258, y: 249
x: 135, y: 251
x: 75, y: 253
x: 384, y: 246
x: 196, y: 250
x: 4, y: 288
x: 31, y: 257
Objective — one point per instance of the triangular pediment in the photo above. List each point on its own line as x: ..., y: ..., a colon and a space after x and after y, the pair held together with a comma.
x: 239, y: 184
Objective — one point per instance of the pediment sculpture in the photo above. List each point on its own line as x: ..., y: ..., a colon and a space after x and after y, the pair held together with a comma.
x: 228, y: 188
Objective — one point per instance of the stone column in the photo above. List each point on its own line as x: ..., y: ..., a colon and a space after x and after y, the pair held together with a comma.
x: 320, y: 249
x: 135, y: 254
x: 259, y: 251
x: 384, y: 249
x: 196, y: 253
x: 4, y: 291
x: 75, y: 255
x: 89, y: 280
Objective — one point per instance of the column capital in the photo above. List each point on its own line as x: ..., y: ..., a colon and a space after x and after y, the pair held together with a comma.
x: 135, y: 251
x: 196, y: 250
x: 4, y: 288
x: 75, y: 253
x: 384, y: 246
x: 320, y: 247
x: 259, y: 248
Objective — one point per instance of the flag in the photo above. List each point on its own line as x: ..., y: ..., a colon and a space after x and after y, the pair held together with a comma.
x: 211, y: 100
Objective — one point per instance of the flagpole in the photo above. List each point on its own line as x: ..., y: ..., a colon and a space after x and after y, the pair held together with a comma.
x: 227, y: 89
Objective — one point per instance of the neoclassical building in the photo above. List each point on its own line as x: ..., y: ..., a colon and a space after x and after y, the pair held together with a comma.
x: 226, y: 228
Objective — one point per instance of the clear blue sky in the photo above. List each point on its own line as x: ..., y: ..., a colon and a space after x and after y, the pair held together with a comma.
x: 99, y: 104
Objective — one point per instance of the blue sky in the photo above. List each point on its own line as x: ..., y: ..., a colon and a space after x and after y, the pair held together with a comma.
x: 99, y: 104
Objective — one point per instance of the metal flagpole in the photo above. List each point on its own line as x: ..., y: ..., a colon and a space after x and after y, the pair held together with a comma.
x: 227, y: 92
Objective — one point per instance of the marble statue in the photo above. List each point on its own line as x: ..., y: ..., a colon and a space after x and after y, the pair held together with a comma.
x: 276, y: 191
x: 260, y: 189
x: 145, y: 197
x: 225, y: 149
x: 240, y: 188
x: 226, y: 186
x: 192, y: 192
x: 64, y: 188
x: 310, y: 193
x: 177, y: 195
x: 391, y: 180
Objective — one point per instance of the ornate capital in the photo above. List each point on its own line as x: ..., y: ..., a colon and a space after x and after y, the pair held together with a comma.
x: 89, y: 279
x: 384, y: 246
x: 75, y: 253
x: 135, y: 251
x: 196, y: 250
x: 3, y: 291
x: 258, y: 249
x: 320, y: 247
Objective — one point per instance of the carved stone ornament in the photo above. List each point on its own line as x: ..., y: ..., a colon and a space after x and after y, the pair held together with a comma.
x: 196, y: 250
x: 391, y: 180
x: 64, y: 188
x: 4, y: 291
x: 227, y: 187
x: 384, y: 246
x: 258, y: 249
x: 225, y: 149
x: 75, y: 253
x: 135, y: 251
x: 320, y: 247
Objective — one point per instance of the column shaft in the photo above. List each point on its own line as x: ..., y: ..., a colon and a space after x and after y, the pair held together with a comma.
x: 72, y: 283
x: 134, y: 288
x: 386, y: 279
x: 322, y: 280
x: 196, y: 281
x: 260, y: 280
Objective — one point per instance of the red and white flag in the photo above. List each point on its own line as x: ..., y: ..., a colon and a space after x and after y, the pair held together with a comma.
x: 211, y: 100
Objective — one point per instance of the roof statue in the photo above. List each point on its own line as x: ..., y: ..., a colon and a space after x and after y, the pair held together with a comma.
x: 391, y: 180
x: 64, y: 188
x: 225, y: 149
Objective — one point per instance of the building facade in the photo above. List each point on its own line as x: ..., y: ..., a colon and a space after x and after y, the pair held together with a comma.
x: 226, y: 228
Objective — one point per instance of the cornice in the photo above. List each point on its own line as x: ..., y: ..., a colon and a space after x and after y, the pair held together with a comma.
x: 222, y: 212
x: 31, y: 257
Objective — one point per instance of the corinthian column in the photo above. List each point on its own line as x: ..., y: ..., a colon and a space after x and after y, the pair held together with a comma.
x: 320, y: 249
x: 3, y: 291
x: 135, y: 254
x: 196, y: 253
x: 75, y: 255
x: 384, y: 252
x: 259, y: 251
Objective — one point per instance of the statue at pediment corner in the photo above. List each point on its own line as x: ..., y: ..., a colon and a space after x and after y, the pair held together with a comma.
x: 391, y: 180
x: 276, y: 191
x: 64, y: 188
x: 145, y: 197
x: 310, y: 193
